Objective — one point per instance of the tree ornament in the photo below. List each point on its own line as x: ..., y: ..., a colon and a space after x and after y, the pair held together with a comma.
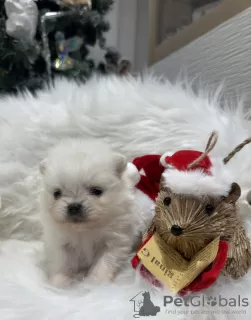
x: 96, y: 53
x: 65, y: 62
x: 64, y: 47
x: 45, y: 19
x: 87, y: 3
x: 22, y: 19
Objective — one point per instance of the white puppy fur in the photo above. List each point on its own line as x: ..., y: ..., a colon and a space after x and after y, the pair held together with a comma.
x: 88, y: 212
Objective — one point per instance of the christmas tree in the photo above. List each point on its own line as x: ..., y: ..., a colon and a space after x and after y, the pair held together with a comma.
x: 43, y: 39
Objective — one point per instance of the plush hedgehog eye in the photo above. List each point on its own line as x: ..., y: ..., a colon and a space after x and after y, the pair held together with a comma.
x: 96, y: 191
x: 167, y: 201
x: 57, y: 194
x: 209, y: 209
x: 248, y: 197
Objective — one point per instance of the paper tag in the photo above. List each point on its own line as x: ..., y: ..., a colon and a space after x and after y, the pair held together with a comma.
x: 168, y: 265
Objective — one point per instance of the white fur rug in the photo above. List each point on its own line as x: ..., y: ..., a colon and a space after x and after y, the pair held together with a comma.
x: 137, y: 117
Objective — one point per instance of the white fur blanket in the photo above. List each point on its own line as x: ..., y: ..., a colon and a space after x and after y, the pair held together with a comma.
x: 137, y: 117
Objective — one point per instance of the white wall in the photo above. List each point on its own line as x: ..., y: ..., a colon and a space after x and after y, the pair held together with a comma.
x: 112, y: 34
x: 142, y: 38
x: 123, y: 20
x: 222, y: 55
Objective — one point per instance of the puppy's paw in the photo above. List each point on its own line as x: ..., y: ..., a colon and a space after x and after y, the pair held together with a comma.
x: 61, y: 281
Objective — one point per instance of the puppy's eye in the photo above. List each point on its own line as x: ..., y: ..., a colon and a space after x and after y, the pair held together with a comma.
x: 167, y: 201
x: 96, y: 191
x: 57, y: 194
x: 209, y: 209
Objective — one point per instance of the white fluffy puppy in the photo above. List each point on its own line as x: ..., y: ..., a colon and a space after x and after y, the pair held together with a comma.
x: 88, y: 212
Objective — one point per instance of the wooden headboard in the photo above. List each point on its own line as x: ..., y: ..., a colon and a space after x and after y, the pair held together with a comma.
x: 161, y: 47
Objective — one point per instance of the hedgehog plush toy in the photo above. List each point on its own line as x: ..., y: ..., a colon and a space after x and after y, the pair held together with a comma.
x: 196, y: 203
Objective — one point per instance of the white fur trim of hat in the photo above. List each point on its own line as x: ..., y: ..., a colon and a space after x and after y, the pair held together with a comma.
x: 210, y: 178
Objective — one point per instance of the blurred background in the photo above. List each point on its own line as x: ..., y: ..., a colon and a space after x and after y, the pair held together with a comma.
x: 206, y: 40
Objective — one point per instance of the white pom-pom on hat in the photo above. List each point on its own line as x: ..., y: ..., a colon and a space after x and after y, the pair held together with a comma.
x: 164, y: 160
x: 133, y: 173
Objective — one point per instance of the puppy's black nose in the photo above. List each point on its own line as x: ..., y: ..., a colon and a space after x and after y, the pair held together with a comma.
x: 74, y: 209
x: 176, y: 230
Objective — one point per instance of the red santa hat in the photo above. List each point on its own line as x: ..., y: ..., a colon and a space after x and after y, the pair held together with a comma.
x: 206, y: 177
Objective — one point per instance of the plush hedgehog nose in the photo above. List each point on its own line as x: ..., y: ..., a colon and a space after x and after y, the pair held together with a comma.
x: 176, y: 230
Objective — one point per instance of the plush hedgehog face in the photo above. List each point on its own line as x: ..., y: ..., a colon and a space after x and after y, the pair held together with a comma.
x: 189, y: 223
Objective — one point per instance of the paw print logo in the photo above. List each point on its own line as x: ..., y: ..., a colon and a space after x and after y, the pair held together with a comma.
x: 211, y: 301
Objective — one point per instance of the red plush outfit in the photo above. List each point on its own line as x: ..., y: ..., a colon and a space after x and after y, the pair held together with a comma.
x: 150, y: 178
x: 152, y: 167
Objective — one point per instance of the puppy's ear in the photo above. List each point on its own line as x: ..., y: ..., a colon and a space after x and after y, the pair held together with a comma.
x: 234, y: 193
x: 120, y: 163
x: 43, y: 167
